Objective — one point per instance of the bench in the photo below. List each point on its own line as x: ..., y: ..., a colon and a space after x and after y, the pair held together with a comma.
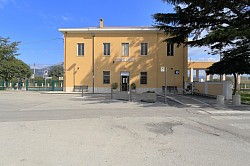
x: 81, y: 88
x: 204, y: 95
x: 170, y: 89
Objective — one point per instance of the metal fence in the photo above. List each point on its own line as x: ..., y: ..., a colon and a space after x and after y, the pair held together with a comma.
x: 32, y: 85
x: 244, y: 87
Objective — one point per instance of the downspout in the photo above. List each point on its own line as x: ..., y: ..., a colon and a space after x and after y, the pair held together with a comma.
x: 183, y: 72
x: 65, y: 63
x: 93, y: 63
x: 157, y: 45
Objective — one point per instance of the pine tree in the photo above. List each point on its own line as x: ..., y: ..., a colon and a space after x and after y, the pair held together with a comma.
x: 221, y: 25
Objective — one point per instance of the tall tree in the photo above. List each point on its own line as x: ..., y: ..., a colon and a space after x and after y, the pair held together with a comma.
x: 8, y: 49
x: 56, y: 71
x: 14, y: 68
x: 10, y: 67
x: 218, y: 24
x: 222, y: 25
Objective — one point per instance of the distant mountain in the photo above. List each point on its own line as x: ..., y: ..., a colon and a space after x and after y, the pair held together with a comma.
x: 40, y: 71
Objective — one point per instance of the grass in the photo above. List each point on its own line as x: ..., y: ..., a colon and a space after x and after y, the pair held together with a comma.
x: 245, y: 97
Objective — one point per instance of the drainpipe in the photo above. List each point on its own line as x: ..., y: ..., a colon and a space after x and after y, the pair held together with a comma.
x: 93, y: 63
x: 183, y: 65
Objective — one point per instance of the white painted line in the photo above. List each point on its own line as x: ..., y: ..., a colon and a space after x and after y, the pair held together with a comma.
x: 194, y: 105
x: 204, y: 112
x: 231, y: 117
x: 229, y: 112
x: 178, y: 101
x: 196, y: 100
x: 241, y: 125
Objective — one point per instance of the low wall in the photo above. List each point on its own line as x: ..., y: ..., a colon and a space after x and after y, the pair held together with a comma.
x: 121, y: 95
x: 215, y: 88
x: 108, y: 90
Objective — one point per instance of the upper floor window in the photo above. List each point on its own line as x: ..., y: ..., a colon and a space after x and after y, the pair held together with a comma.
x: 125, y: 49
x: 106, y: 77
x: 80, y: 49
x: 144, y: 78
x: 144, y: 48
x: 106, y: 48
x: 170, y: 49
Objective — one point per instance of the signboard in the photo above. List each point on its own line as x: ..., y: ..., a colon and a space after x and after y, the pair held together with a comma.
x: 45, y: 72
x: 125, y: 59
x: 163, y: 68
x: 177, y: 72
x: 60, y: 78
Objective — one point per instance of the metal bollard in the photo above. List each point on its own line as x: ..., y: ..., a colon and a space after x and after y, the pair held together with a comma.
x: 111, y: 93
x: 82, y: 91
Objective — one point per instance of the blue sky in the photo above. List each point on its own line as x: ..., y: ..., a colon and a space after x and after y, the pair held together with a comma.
x: 36, y: 23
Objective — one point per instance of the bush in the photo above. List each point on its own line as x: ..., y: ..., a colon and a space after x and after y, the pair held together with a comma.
x: 114, y: 85
x: 133, y: 86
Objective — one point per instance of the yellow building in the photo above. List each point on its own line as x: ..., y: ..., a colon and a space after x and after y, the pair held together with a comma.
x: 99, y: 56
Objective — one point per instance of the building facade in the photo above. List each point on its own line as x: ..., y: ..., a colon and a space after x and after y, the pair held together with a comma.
x: 97, y: 57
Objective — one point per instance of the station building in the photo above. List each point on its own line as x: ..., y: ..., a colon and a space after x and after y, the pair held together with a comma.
x: 99, y: 56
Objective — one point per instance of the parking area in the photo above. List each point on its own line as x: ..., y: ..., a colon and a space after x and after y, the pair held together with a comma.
x: 68, y: 129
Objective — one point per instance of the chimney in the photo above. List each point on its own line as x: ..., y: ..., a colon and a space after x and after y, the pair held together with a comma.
x: 101, y: 23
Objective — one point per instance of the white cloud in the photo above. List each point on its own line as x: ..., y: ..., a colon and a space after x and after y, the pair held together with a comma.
x: 64, y: 18
x: 201, y: 54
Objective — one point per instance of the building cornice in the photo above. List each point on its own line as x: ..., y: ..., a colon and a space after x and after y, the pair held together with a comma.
x: 111, y: 30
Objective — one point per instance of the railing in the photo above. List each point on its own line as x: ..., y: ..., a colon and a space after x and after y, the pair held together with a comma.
x: 29, y: 85
x: 244, y: 87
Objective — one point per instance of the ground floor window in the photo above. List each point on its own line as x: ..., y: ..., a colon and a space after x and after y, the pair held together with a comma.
x: 143, y: 78
x: 106, y: 77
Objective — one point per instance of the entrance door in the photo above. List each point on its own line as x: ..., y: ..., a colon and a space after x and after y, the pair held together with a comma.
x: 124, y: 81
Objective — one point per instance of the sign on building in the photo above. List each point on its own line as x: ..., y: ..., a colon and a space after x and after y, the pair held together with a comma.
x: 177, y: 72
x: 163, y: 68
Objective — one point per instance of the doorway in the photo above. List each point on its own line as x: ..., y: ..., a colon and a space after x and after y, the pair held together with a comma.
x: 124, y: 81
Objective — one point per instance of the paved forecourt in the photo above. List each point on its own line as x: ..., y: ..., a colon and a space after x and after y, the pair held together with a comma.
x: 67, y: 129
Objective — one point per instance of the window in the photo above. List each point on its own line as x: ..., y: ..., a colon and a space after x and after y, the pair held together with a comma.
x: 144, y: 78
x: 80, y: 49
x: 170, y: 49
x: 144, y: 48
x: 125, y: 49
x: 106, y: 48
x: 106, y: 77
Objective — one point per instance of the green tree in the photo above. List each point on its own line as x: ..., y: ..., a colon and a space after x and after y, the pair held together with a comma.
x: 213, y: 23
x: 56, y: 71
x: 14, y: 68
x: 10, y: 67
x: 221, y: 25
x: 8, y: 49
x: 236, y: 63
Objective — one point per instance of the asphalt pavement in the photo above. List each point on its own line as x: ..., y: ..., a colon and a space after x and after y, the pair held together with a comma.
x: 68, y: 129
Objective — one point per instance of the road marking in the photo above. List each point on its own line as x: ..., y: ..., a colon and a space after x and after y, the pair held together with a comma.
x: 194, y: 105
x: 231, y: 117
x: 229, y: 112
x: 241, y: 125
x: 196, y: 100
